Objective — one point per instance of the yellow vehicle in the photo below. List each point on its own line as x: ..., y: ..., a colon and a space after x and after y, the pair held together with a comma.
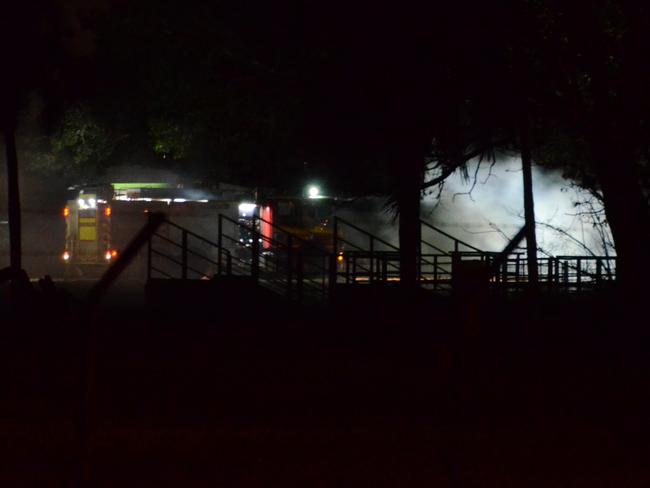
x: 102, y: 219
x: 309, y: 219
x: 88, y: 214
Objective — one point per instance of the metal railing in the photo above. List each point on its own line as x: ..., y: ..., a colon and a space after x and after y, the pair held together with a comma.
x: 370, y: 259
x: 298, y: 270
x: 363, y: 257
x: 457, y: 243
x: 568, y: 273
x: 284, y: 263
x: 176, y: 252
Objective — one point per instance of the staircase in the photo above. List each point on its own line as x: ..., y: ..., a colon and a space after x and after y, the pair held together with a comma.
x: 244, y: 262
x: 368, y: 259
x: 285, y: 265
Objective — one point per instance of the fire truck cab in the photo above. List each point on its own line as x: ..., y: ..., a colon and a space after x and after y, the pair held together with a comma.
x: 87, y: 216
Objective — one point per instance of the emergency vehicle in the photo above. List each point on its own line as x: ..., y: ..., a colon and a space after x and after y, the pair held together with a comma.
x: 309, y: 219
x: 102, y: 219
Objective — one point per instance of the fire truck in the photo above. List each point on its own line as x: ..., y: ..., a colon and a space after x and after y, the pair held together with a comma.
x: 102, y: 219
x: 309, y: 219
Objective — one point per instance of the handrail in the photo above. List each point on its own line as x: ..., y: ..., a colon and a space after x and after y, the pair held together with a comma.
x: 432, y: 227
x: 300, y: 274
x: 187, y: 266
x: 602, y: 258
x: 293, y: 236
x: 267, y: 239
x: 366, y: 233
x: 189, y: 232
x: 341, y: 239
x: 422, y: 241
x: 286, y: 268
x: 275, y: 242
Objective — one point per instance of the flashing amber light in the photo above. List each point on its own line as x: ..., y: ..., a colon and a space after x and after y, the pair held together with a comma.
x: 113, y: 253
x: 339, y: 258
x: 66, y: 212
x: 108, y: 211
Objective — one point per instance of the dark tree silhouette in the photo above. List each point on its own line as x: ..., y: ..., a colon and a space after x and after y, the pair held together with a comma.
x: 40, y: 55
x: 576, y: 74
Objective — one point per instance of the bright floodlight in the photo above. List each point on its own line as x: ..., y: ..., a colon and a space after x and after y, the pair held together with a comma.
x: 246, y: 208
x: 313, y: 192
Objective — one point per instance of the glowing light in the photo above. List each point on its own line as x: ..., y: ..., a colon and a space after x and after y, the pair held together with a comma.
x: 66, y: 256
x: 247, y: 208
x: 66, y: 212
x: 339, y: 258
x: 108, y: 211
x: 114, y: 253
x: 108, y: 255
x: 313, y: 191
x: 86, y: 204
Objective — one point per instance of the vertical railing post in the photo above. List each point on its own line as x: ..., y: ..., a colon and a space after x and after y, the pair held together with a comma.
x: 255, y: 250
x: 435, y: 272
x: 220, y: 244
x: 517, y: 270
x: 228, y: 264
x: 371, y: 279
x: 324, y: 275
x: 455, y: 267
x: 579, y: 273
x: 599, y: 271
x: 565, y: 273
x: 347, y: 268
x: 184, y: 254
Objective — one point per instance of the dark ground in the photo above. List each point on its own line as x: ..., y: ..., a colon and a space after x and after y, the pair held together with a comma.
x: 550, y: 393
